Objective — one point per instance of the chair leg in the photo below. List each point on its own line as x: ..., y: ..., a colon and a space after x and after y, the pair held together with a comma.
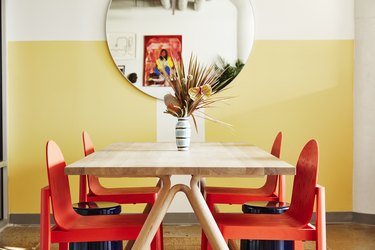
x: 321, y: 243
x: 157, y: 242
x: 209, y: 246
x: 154, y: 245
x: 298, y: 245
x: 45, y: 225
x: 203, y: 241
x: 161, y: 236
x: 82, y: 188
x: 281, y: 191
x: 64, y: 246
x: 205, y: 245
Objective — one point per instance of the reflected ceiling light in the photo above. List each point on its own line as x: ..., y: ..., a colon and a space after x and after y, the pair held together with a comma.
x: 182, y: 4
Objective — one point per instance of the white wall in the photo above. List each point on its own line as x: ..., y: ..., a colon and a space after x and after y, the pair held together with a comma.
x: 274, y: 19
x: 364, y: 109
x: 56, y: 20
x: 304, y: 19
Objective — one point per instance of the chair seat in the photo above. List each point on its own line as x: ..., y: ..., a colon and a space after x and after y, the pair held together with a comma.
x: 129, y: 195
x: 230, y: 195
x: 125, y: 190
x: 109, y: 221
x: 263, y: 226
x: 111, y: 227
x: 237, y: 191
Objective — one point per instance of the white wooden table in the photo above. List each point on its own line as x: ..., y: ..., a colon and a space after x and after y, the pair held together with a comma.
x: 163, y: 160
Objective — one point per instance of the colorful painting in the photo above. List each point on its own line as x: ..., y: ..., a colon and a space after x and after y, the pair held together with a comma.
x: 160, y: 52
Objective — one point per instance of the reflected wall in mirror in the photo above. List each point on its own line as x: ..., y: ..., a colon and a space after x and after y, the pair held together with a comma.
x: 142, y: 34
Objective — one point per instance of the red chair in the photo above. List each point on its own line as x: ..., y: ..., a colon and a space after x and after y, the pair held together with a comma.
x: 125, y: 195
x: 231, y: 195
x: 293, y: 224
x: 70, y: 226
x: 97, y: 192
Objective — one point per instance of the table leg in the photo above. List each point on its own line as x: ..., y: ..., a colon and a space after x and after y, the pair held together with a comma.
x: 155, y: 217
x: 158, y: 211
x: 146, y: 210
x: 204, y: 215
x: 148, y: 206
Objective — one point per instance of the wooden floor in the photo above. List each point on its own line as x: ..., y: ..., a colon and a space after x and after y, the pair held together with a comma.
x: 183, y: 237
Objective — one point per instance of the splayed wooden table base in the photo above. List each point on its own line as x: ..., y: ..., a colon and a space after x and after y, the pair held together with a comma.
x: 198, y: 204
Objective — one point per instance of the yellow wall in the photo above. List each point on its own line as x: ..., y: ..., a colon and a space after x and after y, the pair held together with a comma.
x: 56, y: 89
x: 303, y: 88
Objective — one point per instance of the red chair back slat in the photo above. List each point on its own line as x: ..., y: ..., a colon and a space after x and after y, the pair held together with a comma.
x: 88, y: 148
x: 276, y: 147
x: 59, y: 186
x: 302, y: 203
x: 271, y: 181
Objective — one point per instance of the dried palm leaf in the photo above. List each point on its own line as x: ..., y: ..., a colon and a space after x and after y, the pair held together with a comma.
x: 195, y: 90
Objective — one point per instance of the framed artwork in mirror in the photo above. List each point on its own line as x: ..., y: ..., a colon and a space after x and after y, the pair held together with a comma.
x: 122, y: 45
x: 160, y: 52
x: 121, y: 68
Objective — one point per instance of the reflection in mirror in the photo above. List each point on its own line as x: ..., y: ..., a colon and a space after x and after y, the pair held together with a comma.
x: 143, y: 36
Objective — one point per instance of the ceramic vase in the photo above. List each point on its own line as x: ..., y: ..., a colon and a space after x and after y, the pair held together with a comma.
x: 183, y: 133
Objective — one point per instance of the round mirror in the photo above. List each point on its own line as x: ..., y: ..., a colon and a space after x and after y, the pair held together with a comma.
x: 143, y: 36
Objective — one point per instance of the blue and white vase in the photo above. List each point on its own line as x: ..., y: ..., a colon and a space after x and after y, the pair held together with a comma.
x: 183, y: 133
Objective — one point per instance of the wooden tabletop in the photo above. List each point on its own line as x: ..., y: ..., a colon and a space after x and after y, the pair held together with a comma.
x: 157, y: 159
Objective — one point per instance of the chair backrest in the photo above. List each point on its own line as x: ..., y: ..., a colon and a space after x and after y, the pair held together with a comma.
x: 88, y: 148
x: 271, y: 181
x: 303, y: 196
x: 276, y: 146
x: 59, y: 186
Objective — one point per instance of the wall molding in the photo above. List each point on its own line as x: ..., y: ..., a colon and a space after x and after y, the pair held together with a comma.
x: 170, y: 218
x: 364, y: 218
x: 189, y: 218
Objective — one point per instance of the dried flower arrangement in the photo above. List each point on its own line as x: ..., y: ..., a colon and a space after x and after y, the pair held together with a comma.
x: 194, y: 90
